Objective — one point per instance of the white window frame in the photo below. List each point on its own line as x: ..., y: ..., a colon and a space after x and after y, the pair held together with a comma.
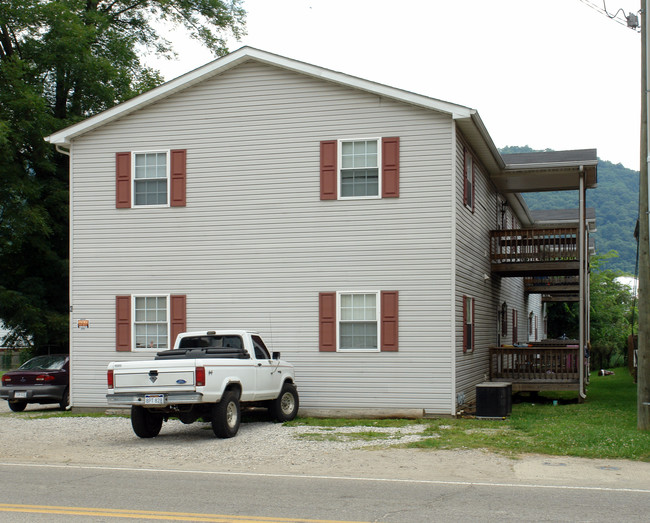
x: 134, y: 323
x: 167, y: 153
x: 377, y: 319
x: 339, y: 161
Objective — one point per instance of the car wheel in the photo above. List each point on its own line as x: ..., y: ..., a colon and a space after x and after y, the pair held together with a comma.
x: 65, y: 400
x: 146, y: 424
x: 226, y: 415
x: 285, y: 406
x: 17, y: 406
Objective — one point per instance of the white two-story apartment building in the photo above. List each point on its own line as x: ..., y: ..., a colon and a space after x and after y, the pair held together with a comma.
x: 348, y: 222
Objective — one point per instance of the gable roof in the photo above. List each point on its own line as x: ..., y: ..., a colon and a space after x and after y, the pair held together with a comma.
x: 512, y: 174
x: 244, y: 54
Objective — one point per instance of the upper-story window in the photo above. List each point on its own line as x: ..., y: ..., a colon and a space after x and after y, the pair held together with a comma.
x: 468, y: 180
x: 360, y: 168
x: 359, y: 174
x: 151, y: 178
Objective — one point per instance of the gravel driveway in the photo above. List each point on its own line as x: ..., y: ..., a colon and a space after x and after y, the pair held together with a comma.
x: 265, y: 447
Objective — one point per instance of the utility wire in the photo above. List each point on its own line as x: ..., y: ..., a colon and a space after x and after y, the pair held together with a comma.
x: 604, y: 12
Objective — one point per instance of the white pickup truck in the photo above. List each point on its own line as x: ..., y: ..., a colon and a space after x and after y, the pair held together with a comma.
x: 207, y: 375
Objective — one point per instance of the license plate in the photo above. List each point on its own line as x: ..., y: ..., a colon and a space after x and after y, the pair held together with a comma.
x: 20, y: 394
x: 154, y: 399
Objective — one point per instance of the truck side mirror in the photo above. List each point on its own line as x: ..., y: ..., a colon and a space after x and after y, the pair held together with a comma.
x: 276, y: 355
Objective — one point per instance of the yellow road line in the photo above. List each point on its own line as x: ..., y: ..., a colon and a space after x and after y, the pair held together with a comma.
x: 154, y: 515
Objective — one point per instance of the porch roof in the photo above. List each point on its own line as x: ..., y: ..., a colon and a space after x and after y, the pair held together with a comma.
x: 547, y: 171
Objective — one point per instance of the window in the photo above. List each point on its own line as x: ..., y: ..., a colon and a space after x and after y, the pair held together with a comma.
x: 504, y: 319
x: 151, y: 322
x: 150, y: 178
x: 358, y: 321
x: 359, y: 175
x: 468, y: 324
x: 359, y: 168
x: 261, y: 352
x: 515, y: 328
x: 365, y: 321
x: 468, y: 180
x: 143, y: 322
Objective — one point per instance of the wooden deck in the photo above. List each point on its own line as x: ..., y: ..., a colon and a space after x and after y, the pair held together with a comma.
x: 537, y: 368
x: 535, y: 252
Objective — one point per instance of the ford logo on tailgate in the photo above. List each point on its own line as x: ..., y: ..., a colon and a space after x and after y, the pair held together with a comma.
x: 181, y: 382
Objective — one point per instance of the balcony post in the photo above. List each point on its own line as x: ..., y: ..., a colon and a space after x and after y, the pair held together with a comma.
x: 581, y: 254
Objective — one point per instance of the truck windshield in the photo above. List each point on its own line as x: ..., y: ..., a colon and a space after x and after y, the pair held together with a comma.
x: 211, y: 342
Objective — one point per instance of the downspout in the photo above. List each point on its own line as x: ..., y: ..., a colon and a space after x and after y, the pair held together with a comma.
x: 581, y: 250
x: 61, y: 150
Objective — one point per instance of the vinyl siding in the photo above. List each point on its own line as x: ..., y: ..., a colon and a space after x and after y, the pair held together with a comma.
x: 255, y: 244
x: 472, y: 267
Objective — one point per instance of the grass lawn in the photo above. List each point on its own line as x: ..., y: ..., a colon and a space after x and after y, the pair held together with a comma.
x: 602, y: 427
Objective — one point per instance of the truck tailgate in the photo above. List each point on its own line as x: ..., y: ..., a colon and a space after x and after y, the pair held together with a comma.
x: 154, y: 376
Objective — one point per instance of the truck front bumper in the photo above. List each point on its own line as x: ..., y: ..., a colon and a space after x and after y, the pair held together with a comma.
x: 168, y: 398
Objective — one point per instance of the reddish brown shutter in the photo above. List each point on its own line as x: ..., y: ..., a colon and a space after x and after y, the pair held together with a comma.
x: 390, y: 167
x: 464, y: 181
x: 389, y: 321
x: 327, y: 321
x: 123, y: 323
x: 178, y: 317
x: 473, y: 189
x: 122, y: 180
x: 465, y: 330
x: 328, y: 173
x: 473, y: 324
x: 178, y: 160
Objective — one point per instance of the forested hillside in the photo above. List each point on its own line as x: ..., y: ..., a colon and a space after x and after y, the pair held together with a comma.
x: 616, y: 200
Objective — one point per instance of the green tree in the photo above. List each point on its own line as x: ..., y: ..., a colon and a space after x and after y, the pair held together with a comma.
x: 611, y: 313
x: 62, y: 61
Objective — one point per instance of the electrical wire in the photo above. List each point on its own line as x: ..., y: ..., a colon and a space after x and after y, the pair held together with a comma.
x: 604, y: 12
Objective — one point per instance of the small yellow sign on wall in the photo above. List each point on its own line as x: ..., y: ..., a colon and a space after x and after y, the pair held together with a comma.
x: 83, y: 324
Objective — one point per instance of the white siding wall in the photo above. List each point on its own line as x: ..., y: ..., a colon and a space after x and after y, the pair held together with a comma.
x: 255, y: 245
x: 472, y: 267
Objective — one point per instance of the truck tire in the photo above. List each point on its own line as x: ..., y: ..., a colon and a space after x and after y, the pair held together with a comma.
x: 285, y: 406
x: 226, y: 415
x: 146, y: 424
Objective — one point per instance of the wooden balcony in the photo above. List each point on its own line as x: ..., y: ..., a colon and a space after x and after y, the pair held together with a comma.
x: 554, y: 288
x: 537, y: 368
x: 535, y: 252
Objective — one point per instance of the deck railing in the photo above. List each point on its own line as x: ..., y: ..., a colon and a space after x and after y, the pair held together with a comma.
x: 534, y: 245
x: 552, y: 281
x: 517, y: 364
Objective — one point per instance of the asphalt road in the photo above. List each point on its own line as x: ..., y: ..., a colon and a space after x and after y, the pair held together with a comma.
x: 31, y: 492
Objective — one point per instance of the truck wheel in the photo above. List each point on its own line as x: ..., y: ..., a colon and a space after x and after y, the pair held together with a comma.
x: 285, y: 406
x: 226, y: 415
x: 17, y: 406
x: 145, y: 424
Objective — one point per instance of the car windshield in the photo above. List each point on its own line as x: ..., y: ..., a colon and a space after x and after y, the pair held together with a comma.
x: 44, y: 362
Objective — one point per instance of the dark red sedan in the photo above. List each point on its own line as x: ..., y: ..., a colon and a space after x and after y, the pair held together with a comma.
x: 43, y: 379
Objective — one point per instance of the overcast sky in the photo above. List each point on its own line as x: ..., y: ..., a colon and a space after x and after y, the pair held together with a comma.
x: 552, y: 74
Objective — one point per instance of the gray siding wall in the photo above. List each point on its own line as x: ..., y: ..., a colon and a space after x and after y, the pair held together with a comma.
x: 255, y: 245
x: 474, y: 279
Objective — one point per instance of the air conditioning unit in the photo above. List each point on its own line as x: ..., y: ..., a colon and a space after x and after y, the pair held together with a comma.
x: 493, y: 399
